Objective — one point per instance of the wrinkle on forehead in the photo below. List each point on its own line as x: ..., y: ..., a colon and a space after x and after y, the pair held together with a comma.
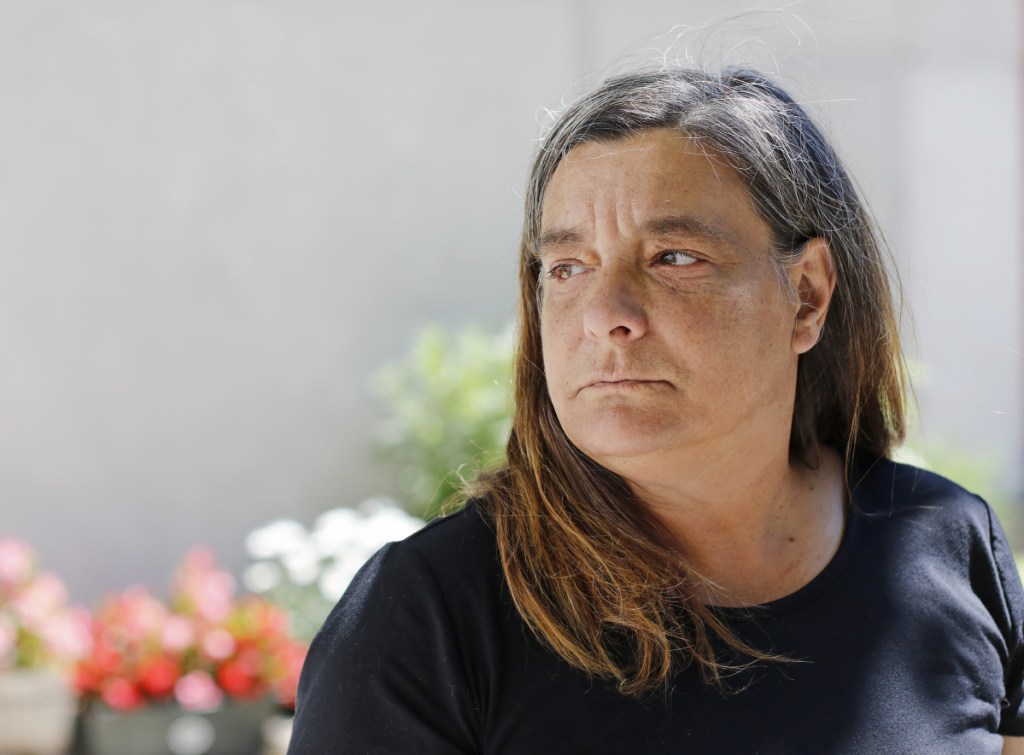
x: 694, y: 146
x: 579, y: 181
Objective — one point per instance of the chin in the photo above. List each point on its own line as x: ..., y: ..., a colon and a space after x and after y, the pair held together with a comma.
x: 605, y: 441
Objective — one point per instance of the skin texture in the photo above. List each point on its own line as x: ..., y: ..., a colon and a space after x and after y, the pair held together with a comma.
x: 671, y: 350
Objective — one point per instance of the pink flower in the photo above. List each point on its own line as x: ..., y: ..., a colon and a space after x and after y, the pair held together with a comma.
x: 214, y: 601
x: 197, y: 691
x: 200, y: 588
x: 67, y: 635
x: 177, y: 634
x: 37, y: 602
x: 17, y: 561
x: 37, y: 627
x: 8, y: 641
x: 218, y: 644
x: 138, y: 613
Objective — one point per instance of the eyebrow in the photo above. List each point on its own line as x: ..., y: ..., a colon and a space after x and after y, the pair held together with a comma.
x: 668, y: 225
x: 559, y: 237
x: 685, y: 225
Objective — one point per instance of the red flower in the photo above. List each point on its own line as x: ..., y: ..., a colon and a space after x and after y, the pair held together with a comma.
x: 157, y: 676
x: 121, y: 694
x: 240, y: 677
x: 293, y: 656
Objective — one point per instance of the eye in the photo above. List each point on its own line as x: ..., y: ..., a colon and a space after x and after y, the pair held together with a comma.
x: 565, y: 270
x: 675, y: 258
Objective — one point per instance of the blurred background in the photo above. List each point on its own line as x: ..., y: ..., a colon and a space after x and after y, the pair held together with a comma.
x: 220, y: 219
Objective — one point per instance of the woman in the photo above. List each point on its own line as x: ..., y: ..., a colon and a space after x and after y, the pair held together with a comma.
x: 698, y: 543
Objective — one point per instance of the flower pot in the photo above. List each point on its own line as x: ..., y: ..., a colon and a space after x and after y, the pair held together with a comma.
x: 37, y: 712
x: 277, y: 733
x: 168, y: 729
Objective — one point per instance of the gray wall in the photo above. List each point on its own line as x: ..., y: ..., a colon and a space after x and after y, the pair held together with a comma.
x: 217, y: 218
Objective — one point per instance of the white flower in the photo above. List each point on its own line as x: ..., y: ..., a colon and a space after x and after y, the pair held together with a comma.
x: 388, y: 525
x: 276, y: 539
x: 262, y: 576
x: 335, y: 531
x: 326, y: 558
x: 335, y: 580
x: 302, y: 565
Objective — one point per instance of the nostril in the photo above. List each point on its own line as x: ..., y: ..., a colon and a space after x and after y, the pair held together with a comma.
x: 615, y: 320
x: 615, y: 306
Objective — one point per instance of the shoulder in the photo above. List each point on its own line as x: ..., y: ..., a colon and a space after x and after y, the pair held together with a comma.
x: 939, y: 528
x: 922, y: 523
x: 905, y: 481
x: 448, y: 541
x: 886, y: 489
x: 451, y: 562
x: 390, y: 664
x: 452, y: 556
x: 949, y: 542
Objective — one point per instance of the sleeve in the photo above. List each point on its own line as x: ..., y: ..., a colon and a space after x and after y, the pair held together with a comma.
x: 1012, y: 624
x: 384, y: 674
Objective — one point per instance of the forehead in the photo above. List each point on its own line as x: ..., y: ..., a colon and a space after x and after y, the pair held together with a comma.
x: 652, y: 174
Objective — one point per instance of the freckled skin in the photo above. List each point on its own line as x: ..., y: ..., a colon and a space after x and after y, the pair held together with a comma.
x: 647, y: 354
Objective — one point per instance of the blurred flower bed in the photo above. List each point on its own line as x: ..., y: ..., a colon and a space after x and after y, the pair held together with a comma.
x: 143, y: 668
x: 202, y: 645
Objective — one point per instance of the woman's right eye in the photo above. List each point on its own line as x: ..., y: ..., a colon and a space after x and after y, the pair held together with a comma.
x: 565, y: 270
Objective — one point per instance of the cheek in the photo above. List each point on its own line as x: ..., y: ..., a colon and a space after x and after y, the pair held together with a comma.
x: 761, y: 355
x: 737, y: 332
x: 552, y: 350
x: 759, y: 311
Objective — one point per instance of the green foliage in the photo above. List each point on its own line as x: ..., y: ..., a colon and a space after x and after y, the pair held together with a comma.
x: 448, y: 405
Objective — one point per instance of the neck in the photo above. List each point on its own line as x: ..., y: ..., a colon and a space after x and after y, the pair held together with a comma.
x: 756, y: 527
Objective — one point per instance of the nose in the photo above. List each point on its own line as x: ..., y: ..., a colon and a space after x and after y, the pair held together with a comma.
x: 615, y: 309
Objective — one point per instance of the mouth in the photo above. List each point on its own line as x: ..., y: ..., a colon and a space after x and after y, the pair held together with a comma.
x: 625, y: 386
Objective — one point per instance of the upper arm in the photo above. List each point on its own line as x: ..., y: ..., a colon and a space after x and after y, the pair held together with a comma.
x: 384, y: 674
x: 1010, y: 617
x: 1013, y: 745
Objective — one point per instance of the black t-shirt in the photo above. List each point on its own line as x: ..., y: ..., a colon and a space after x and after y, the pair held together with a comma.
x: 909, y: 641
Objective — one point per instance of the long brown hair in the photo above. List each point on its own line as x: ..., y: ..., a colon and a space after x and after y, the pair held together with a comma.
x: 590, y: 573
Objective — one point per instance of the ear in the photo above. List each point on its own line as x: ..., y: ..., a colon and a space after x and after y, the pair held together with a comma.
x: 814, y: 279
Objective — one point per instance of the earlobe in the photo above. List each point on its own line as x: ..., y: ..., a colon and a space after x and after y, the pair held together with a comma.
x: 814, y: 278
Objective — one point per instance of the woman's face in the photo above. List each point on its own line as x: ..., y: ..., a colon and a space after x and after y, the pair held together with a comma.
x: 664, y: 323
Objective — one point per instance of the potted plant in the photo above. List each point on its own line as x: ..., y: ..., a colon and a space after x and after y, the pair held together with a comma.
x: 41, y: 638
x: 447, y: 405
x: 197, y: 674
